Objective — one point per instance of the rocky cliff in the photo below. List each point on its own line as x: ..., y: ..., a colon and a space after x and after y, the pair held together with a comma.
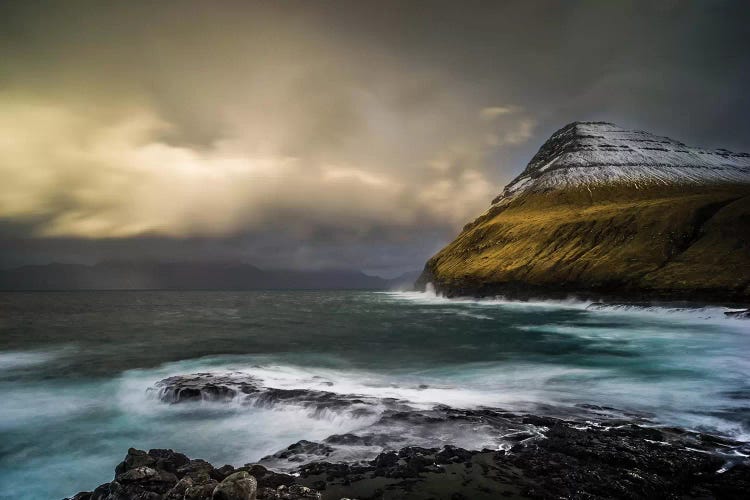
x: 605, y: 212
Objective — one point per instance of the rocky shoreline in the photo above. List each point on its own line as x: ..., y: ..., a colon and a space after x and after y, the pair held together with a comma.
x: 602, y: 296
x: 605, y: 294
x: 568, y: 459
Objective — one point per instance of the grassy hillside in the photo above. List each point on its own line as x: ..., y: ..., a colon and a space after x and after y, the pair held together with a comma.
x: 671, y: 243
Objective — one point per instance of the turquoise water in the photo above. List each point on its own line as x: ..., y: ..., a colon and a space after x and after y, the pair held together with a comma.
x: 76, y: 368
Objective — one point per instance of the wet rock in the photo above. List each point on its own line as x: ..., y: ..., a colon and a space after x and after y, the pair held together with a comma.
x: 201, y: 491
x: 539, y: 421
x: 265, y: 478
x: 554, y: 458
x: 205, y: 387
x: 138, y: 474
x: 168, y: 460
x: 568, y: 461
x: 297, y: 492
x: 199, y: 469
x: 298, y: 451
x: 224, y: 471
x: 159, y: 481
x: 248, y: 390
x: 167, y: 475
x: 134, y: 458
x: 350, y: 440
x: 84, y: 495
x: 237, y: 486
x: 117, y: 491
x: 267, y: 494
x: 179, y: 489
x: 453, y: 454
x: 384, y: 460
x: 741, y: 314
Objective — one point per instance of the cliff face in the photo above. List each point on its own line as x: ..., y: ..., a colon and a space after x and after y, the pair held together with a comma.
x: 602, y: 211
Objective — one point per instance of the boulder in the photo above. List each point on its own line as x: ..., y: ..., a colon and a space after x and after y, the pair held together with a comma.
x: 201, y: 491
x: 179, y: 489
x: 237, y: 486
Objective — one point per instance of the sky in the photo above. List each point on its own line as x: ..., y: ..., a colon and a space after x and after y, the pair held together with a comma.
x: 326, y: 134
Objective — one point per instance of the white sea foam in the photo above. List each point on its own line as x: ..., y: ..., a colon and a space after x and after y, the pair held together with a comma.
x: 516, y: 385
x: 669, y: 312
x: 288, y: 420
x: 421, y: 390
x: 231, y: 432
x: 430, y: 297
x: 14, y: 360
x: 682, y: 367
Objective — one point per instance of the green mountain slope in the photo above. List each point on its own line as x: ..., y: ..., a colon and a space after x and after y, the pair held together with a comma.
x: 614, y: 230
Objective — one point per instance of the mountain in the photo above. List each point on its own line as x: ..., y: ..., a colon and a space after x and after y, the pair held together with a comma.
x: 601, y: 211
x: 404, y: 281
x: 181, y: 276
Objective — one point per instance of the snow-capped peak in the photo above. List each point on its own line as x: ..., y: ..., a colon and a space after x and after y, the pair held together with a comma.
x: 599, y: 153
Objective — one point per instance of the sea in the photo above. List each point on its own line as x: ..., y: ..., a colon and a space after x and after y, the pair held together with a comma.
x: 80, y: 372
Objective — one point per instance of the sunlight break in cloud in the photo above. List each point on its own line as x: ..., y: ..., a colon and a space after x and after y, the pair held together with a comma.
x: 72, y: 173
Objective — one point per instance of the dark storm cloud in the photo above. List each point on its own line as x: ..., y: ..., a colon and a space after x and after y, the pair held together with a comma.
x: 326, y: 134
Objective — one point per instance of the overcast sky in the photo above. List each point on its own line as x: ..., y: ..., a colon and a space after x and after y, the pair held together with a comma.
x: 326, y: 134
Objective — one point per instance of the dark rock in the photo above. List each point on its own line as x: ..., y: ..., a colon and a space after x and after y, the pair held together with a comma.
x: 743, y: 314
x: 567, y: 460
x: 224, y: 471
x: 539, y: 421
x: 255, y: 470
x: 168, y: 460
x: 197, y: 469
x: 274, y: 480
x: 267, y: 493
x: 117, y: 491
x: 350, y: 439
x: 179, y: 489
x: 201, y: 491
x: 387, y: 459
x: 84, y: 495
x: 452, y: 454
x: 167, y: 475
x: 297, y: 451
x: 159, y: 481
x: 134, y: 458
x: 297, y: 492
x: 205, y: 386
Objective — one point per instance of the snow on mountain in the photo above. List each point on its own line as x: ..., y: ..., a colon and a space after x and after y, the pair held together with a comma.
x: 587, y: 154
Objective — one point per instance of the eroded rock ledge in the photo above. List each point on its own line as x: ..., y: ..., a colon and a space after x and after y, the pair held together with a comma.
x: 571, y: 460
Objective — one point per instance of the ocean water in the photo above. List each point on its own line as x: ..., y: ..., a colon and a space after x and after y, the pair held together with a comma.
x: 77, y: 373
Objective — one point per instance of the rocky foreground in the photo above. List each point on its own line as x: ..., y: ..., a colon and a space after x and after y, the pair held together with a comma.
x: 570, y: 460
x: 604, y: 212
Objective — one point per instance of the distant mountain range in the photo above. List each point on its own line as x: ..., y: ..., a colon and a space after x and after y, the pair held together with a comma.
x: 605, y: 211
x: 188, y: 276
